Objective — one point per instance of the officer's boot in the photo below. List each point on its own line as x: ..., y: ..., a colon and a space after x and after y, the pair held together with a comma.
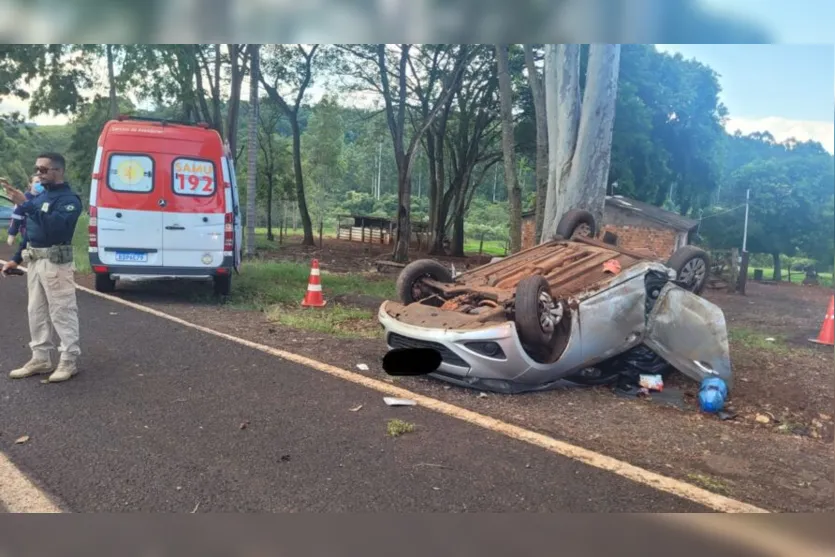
x: 65, y: 370
x: 35, y: 366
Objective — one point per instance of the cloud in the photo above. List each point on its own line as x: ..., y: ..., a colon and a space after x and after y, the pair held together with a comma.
x: 784, y: 128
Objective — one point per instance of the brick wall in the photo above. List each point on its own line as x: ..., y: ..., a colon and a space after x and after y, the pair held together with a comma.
x: 661, y: 242
x: 528, y: 232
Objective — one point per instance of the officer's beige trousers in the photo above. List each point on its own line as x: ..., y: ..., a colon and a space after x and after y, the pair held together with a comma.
x: 52, y: 309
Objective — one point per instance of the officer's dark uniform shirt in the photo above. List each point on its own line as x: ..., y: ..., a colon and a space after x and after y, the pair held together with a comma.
x: 50, y: 219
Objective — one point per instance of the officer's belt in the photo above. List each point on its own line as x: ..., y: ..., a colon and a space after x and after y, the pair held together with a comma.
x: 57, y: 254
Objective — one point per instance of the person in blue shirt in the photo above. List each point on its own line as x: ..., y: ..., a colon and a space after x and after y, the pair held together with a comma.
x: 18, y: 224
x: 47, y: 250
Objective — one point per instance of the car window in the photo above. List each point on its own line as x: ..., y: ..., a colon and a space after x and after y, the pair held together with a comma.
x: 131, y: 173
x: 194, y: 177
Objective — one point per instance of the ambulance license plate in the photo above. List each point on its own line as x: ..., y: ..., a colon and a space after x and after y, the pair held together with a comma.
x: 131, y: 257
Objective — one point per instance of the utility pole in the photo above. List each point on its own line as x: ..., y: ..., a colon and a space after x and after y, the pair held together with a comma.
x: 745, y: 232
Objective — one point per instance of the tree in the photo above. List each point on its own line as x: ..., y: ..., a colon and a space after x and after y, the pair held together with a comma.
x: 580, y: 133
x: 275, y: 161
x: 292, y: 65
x: 324, y: 142
x: 538, y: 95
x: 514, y: 194
x: 252, y: 150
x: 395, y: 99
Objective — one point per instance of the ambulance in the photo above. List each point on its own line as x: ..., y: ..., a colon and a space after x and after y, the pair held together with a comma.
x: 163, y: 204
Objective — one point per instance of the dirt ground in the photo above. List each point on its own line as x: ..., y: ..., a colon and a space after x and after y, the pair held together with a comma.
x: 777, y: 452
x: 340, y: 256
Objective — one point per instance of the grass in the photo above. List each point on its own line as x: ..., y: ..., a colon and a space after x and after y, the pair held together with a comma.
x: 708, y: 482
x: 263, y: 284
x: 825, y: 279
x: 491, y: 247
x: 336, y: 320
x: 396, y: 427
x: 756, y: 340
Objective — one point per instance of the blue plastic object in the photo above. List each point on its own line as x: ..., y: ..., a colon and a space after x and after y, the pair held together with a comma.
x: 712, y: 394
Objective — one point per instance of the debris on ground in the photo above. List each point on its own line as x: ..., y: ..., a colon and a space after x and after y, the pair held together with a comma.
x: 762, y: 419
x: 357, y: 409
x: 362, y: 367
x: 399, y: 401
x: 397, y: 427
x: 726, y: 415
x: 244, y: 425
x: 651, y: 382
x: 712, y: 394
x: 21, y: 440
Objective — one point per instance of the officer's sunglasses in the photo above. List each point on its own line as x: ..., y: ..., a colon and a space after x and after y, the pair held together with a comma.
x: 42, y: 169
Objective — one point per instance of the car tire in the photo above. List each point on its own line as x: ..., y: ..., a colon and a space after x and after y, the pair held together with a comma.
x: 577, y: 221
x: 536, y: 329
x: 104, y: 283
x: 222, y: 284
x: 407, y: 281
x: 692, y: 267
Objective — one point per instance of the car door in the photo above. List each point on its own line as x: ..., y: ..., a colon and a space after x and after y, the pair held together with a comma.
x: 690, y: 334
x: 6, y: 210
x: 128, y: 212
x: 193, y: 217
x: 229, y: 176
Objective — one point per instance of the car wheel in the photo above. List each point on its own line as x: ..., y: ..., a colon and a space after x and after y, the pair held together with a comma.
x: 577, y: 222
x: 537, y: 313
x: 104, y: 283
x: 409, y: 288
x: 692, y: 266
x: 222, y: 284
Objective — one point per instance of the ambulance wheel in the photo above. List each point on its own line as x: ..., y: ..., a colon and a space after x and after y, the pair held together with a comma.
x: 223, y: 285
x: 104, y: 283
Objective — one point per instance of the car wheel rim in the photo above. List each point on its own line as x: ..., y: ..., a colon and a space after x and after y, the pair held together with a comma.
x: 550, y: 313
x: 693, y: 272
x: 583, y: 230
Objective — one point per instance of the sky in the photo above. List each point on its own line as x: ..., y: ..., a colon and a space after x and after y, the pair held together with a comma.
x: 786, y: 89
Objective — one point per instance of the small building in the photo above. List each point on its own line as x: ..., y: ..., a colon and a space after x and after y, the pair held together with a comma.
x: 636, y: 224
x: 365, y: 229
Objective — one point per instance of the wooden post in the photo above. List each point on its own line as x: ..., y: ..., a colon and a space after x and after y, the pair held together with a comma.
x: 321, y: 228
x: 481, y: 246
x: 734, y: 278
x: 743, y: 273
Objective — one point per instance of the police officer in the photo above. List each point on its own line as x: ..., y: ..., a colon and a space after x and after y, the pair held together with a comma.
x: 47, y: 250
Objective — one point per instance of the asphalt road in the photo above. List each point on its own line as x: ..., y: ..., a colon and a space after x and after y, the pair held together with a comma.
x: 163, y: 418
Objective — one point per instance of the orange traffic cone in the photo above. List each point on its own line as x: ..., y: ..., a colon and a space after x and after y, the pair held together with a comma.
x: 827, y: 332
x: 314, y: 298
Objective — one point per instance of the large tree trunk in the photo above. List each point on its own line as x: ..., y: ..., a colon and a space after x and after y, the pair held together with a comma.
x: 307, y: 224
x: 252, y: 152
x: 234, y: 98
x: 111, y: 79
x: 514, y: 194
x: 216, y: 114
x: 538, y: 93
x: 778, y: 270
x: 580, y: 153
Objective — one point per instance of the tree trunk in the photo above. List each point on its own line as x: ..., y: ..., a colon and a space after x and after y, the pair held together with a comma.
x: 514, y: 194
x: 234, y: 98
x: 404, y: 225
x: 580, y: 154
x: 216, y: 116
x: 307, y: 224
x: 270, y: 206
x: 778, y: 270
x: 111, y: 78
x: 252, y: 152
x: 538, y: 93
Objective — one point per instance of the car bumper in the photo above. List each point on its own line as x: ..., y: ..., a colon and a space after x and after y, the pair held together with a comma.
x: 148, y: 271
x: 463, y: 361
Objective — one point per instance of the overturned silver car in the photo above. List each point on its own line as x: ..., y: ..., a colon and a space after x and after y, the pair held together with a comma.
x: 558, y: 311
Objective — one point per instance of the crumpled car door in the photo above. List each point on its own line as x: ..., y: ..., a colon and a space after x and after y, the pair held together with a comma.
x: 690, y: 333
